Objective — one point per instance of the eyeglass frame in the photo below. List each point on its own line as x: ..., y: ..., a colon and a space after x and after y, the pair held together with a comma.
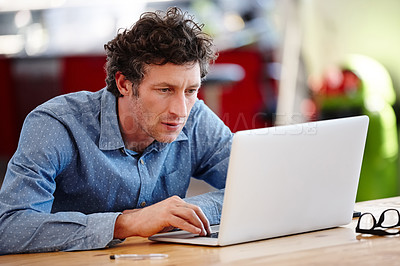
x: 373, y: 230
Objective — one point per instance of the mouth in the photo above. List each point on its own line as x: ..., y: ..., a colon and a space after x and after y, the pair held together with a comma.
x: 172, y: 125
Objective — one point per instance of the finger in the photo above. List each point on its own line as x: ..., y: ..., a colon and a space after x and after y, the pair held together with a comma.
x: 189, y: 215
x: 183, y: 224
x: 198, y: 218
x: 204, y: 220
x: 200, y: 214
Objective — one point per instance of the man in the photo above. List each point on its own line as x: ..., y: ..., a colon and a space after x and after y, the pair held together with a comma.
x: 94, y: 168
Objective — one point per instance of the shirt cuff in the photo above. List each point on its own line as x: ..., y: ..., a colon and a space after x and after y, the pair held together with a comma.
x: 100, y: 230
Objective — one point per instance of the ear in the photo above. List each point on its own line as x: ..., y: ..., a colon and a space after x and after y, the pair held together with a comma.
x: 124, y: 85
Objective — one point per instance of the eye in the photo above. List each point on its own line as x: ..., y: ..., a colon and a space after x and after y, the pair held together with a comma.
x: 164, y: 90
x: 191, y: 91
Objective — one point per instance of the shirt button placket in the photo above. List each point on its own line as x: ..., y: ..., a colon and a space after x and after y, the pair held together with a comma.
x: 144, y: 181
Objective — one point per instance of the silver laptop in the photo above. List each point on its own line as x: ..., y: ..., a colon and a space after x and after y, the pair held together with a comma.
x: 287, y: 180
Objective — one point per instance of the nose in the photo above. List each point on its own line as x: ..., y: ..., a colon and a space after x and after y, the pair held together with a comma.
x: 178, y: 105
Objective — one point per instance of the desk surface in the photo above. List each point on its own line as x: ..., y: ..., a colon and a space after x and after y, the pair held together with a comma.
x: 334, y: 246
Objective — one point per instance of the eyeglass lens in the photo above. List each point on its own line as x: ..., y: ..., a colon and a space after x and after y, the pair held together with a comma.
x: 390, y: 218
x: 367, y: 221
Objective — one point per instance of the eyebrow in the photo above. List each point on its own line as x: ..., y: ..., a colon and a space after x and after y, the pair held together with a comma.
x: 166, y: 84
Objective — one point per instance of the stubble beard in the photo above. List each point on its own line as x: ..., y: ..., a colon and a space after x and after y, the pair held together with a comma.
x: 151, y: 125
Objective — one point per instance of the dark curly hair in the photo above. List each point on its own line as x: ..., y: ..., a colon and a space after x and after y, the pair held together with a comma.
x: 157, y: 38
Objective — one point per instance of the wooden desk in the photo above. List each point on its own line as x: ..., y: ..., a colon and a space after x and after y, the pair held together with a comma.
x: 338, y: 246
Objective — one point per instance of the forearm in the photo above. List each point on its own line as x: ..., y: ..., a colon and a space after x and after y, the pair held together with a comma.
x: 28, y: 231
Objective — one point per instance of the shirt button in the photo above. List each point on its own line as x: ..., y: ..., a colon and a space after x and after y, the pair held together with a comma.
x: 123, y: 151
x: 141, y: 161
x: 143, y: 204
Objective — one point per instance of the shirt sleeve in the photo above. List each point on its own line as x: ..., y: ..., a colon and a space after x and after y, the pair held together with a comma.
x: 211, y: 142
x: 26, y: 196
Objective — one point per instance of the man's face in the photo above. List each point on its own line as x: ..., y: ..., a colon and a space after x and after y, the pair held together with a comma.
x: 167, y: 93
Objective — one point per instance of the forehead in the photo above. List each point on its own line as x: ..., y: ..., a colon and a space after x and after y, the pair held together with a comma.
x: 172, y: 73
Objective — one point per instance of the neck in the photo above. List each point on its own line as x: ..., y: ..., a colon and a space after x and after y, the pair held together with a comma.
x: 136, y: 146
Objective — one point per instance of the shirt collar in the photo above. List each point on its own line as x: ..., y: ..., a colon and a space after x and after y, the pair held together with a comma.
x: 110, y: 134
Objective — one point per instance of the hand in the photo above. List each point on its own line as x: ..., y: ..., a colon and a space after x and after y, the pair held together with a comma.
x: 164, y: 215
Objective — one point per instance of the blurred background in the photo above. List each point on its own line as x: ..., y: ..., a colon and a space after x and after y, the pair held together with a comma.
x: 281, y: 62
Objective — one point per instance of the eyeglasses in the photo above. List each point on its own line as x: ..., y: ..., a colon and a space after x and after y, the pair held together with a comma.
x: 386, y: 224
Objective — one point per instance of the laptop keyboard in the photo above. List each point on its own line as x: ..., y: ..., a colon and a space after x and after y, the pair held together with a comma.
x: 213, y: 235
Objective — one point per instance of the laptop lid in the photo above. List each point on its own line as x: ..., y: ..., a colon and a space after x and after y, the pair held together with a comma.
x: 288, y: 179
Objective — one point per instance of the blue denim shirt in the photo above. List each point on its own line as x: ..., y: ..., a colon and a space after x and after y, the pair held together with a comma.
x: 71, y: 175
